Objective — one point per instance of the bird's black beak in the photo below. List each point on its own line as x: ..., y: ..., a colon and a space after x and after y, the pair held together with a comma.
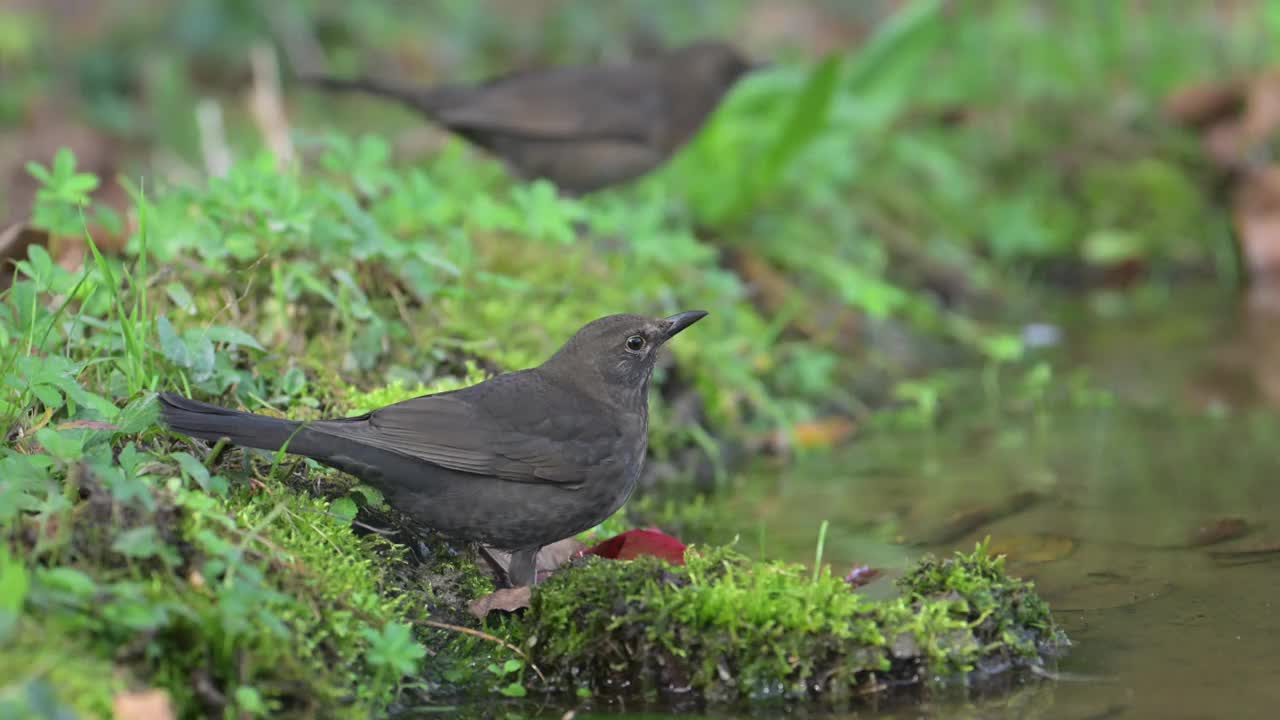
x: 680, y: 321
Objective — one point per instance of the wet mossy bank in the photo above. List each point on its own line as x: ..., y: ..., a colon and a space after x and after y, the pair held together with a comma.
x: 265, y: 601
x: 725, y: 630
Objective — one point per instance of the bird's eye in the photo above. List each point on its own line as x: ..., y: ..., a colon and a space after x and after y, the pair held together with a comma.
x: 635, y: 343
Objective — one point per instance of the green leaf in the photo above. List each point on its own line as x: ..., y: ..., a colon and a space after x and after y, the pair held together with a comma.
x: 75, y: 391
x: 202, y: 355
x: 66, y: 446
x: 15, y: 582
x: 907, y: 36
x: 125, y: 488
x: 511, y: 666
x: 250, y: 700
x: 394, y: 648
x: 77, y: 187
x: 293, y: 382
x: 1003, y: 348
x: 68, y: 581
x: 807, y: 119
x: 132, y: 609
x: 139, y: 542
x: 372, y: 496
x: 171, y: 346
x: 64, y: 163
x: 47, y: 395
x: 1109, y: 247
x: 138, y: 415
x: 179, y: 295
x: 39, y: 172
x: 213, y: 544
x: 344, y: 508
x: 514, y: 690
x: 196, y: 471
x: 233, y: 336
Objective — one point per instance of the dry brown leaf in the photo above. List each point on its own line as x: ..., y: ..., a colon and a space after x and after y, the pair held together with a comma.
x: 1226, y: 145
x: 1206, y: 104
x: 1219, y: 531
x: 1235, y: 117
x: 769, y: 287
x: 506, y: 599
x: 15, y: 241
x: 1261, y: 119
x: 551, y: 557
x: 548, y: 560
x: 1257, y: 220
x: 823, y: 432
x: 143, y: 705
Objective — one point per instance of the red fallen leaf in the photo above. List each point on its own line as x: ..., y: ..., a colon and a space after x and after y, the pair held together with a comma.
x: 635, y: 543
x: 627, y: 546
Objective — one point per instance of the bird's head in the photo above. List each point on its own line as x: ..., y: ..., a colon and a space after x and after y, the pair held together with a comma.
x: 618, y: 351
x: 712, y: 66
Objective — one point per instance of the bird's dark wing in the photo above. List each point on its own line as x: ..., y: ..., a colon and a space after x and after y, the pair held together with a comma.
x: 453, y: 431
x: 589, y: 103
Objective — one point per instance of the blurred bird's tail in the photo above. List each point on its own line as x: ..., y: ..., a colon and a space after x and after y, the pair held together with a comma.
x: 210, y: 422
x: 426, y: 101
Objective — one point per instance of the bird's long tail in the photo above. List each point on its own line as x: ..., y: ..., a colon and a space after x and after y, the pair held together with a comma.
x: 210, y: 422
x: 424, y: 100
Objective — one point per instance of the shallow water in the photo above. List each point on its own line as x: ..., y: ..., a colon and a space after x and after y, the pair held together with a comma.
x: 1162, y: 627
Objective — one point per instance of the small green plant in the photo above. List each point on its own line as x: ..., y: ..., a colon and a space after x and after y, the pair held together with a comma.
x: 509, y: 673
x: 392, y: 650
x: 63, y: 196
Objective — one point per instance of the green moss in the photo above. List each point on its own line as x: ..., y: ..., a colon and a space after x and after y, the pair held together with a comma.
x: 1009, y: 622
x: 252, y: 601
x: 728, y: 629
x: 45, y: 665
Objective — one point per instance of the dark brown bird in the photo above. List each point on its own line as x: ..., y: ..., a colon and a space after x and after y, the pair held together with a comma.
x: 581, y: 127
x: 516, y: 462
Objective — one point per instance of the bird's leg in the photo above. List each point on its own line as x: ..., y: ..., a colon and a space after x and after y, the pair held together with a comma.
x: 523, y: 567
